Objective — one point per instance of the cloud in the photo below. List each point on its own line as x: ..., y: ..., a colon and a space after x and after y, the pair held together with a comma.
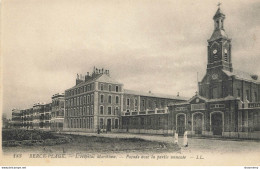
x: 147, y: 45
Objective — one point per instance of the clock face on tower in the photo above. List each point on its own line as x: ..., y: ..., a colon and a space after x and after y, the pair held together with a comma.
x: 225, y: 51
x: 215, y: 51
x: 214, y: 76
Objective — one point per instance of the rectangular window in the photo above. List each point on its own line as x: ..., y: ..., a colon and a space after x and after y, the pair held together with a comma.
x: 101, y: 123
x: 116, y: 123
x: 101, y: 110
x: 92, y: 109
x: 84, y: 110
x: 128, y: 102
x: 256, y: 98
x: 88, y: 100
x: 116, y: 111
x: 135, y: 102
x: 117, y: 99
x: 214, y: 92
x: 101, y: 87
x: 110, y: 99
x: 91, y: 122
x: 87, y: 110
x: 142, y: 121
x: 117, y: 89
x: 110, y: 88
x: 238, y: 93
x: 109, y: 110
x: 143, y: 103
x: 247, y: 95
x: 101, y: 98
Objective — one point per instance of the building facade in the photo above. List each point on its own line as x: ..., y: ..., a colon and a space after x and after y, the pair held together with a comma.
x: 147, y: 112
x: 100, y: 103
x: 57, y: 112
x: 94, y: 103
x: 227, y: 103
x: 36, y: 117
x: 16, y: 118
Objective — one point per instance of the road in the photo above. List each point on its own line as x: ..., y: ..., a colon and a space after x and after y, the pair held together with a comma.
x: 196, y: 145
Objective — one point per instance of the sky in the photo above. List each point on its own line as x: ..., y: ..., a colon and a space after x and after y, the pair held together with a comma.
x: 148, y: 45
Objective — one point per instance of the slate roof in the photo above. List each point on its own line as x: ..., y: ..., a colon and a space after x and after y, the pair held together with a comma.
x: 98, y: 78
x: 223, y: 99
x: 217, y: 34
x: 242, y: 75
x: 218, y: 13
x: 133, y: 92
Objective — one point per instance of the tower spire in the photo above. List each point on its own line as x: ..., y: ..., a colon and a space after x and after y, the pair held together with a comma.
x: 219, y: 45
x: 219, y: 5
x: 219, y: 31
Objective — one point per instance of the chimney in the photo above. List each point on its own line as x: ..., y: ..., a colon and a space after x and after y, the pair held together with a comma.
x: 150, y: 91
x: 87, y: 77
x: 178, y: 94
x: 102, y: 70
x: 78, y: 80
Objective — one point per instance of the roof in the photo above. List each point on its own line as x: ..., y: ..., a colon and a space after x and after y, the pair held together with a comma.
x: 218, y: 14
x: 179, y: 103
x: 106, y: 79
x: 242, y: 75
x: 207, y: 100
x: 98, y: 78
x: 223, y: 99
x: 217, y: 34
x: 126, y: 91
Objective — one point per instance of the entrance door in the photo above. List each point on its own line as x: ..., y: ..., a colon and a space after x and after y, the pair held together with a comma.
x: 181, y: 124
x: 197, y: 123
x: 108, y: 124
x: 216, y: 122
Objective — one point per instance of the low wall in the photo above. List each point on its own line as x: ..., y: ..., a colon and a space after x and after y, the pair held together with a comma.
x: 147, y: 131
x: 80, y: 130
x: 242, y: 135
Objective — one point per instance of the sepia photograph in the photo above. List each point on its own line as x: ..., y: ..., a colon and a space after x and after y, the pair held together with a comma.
x: 130, y: 83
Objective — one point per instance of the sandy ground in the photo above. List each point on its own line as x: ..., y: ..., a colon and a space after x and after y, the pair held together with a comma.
x: 195, y: 145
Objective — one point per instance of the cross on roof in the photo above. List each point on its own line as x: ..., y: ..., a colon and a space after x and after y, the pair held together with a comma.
x: 219, y: 4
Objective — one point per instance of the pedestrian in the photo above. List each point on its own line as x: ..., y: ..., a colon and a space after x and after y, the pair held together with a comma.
x: 175, y: 138
x: 185, y: 139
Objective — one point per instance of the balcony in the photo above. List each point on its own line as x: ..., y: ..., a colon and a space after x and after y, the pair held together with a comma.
x: 249, y: 105
x: 147, y: 112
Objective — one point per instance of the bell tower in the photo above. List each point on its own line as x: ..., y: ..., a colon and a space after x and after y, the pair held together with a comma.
x: 219, y: 46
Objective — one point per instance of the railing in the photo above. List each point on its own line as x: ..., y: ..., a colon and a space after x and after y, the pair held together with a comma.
x: 150, y: 112
x: 249, y: 105
x: 142, y: 112
x: 134, y: 113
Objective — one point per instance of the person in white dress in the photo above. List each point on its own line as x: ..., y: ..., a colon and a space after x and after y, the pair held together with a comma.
x: 185, y: 139
x: 175, y: 138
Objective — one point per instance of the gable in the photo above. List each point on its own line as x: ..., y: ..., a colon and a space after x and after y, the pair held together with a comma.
x: 197, y: 99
